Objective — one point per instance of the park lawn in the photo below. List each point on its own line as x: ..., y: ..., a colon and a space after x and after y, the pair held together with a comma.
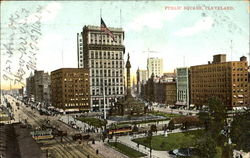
x: 92, y: 121
x: 168, y: 115
x: 126, y: 150
x: 172, y: 141
x: 217, y: 155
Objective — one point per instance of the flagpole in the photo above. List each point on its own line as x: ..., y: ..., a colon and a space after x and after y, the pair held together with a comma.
x: 104, y: 98
x: 120, y: 18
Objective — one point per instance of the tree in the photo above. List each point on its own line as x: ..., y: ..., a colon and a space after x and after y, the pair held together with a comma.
x: 171, y: 125
x: 240, y: 131
x: 206, y: 147
x: 214, y: 121
x: 153, y: 128
x: 205, y: 118
x: 218, y: 114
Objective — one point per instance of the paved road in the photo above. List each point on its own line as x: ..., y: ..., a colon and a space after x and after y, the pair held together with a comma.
x: 65, y: 148
x: 62, y: 149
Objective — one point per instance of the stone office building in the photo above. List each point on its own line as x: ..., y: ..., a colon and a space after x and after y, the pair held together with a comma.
x: 103, y: 57
x: 38, y: 87
x: 227, y: 81
x: 155, y: 66
x: 70, y: 89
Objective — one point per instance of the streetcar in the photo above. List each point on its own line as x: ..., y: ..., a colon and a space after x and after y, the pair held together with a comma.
x: 120, y: 130
x: 42, y: 135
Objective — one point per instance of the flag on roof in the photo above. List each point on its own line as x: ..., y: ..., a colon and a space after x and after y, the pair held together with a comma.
x: 106, y: 30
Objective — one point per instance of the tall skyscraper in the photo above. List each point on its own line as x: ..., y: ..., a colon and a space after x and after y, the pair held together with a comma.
x: 155, y: 66
x: 103, y: 55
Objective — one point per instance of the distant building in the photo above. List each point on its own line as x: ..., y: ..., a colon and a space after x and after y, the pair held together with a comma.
x: 182, y: 84
x: 38, y: 87
x: 70, y: 89
x: 30, y: 86
x: 42, y: 86
x: 169, y: 77
x: 103, y: 56
x: 20, y: 91
x: 160, y: 92
x: 171, y: 93
x: 141, y: 76
x: 148, y: 90
x: 155, y: 66
x: 227, y: 81
x: 128, y: 105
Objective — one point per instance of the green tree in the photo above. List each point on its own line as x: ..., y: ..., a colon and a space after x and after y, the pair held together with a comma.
x: 153, y: 128
x: 171, y: 125
x: 206, y: 147
x: 218, y: 114
x: 205, y: 119
x: 214, y: 121
x: 240, y: 131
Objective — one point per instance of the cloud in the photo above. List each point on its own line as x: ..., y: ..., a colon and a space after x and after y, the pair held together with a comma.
x: 47, y: 13
x: 204, y: 24
x: 153, y: 20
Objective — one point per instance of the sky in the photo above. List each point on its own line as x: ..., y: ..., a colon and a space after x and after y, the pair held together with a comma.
x: 183, y: 33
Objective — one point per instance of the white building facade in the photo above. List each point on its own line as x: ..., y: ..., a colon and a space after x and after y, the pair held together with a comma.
x: 104, y: 58
x: 155, y: 66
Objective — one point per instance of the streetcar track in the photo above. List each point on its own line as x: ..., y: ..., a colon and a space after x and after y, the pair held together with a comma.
x: 59, y: 143
x: 68, y: 145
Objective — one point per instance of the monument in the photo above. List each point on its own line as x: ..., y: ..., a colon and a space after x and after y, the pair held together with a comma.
x: 128, y: 105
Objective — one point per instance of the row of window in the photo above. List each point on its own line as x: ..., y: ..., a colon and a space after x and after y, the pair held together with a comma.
x: 96, y: 54
x: 76, y: 104
x: 109, y: 81
x: 108, y: 91
x: 105, y: 39
x: 106, y: 73
x: 106, y: 64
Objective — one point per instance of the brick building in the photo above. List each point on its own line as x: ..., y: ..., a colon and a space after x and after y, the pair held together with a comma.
x: 171, y: 93
x: 226, y: 80
x: 70, y: 89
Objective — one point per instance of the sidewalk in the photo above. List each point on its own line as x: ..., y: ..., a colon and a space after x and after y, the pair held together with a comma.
x: 126, y: 140
x: 106, y: 151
